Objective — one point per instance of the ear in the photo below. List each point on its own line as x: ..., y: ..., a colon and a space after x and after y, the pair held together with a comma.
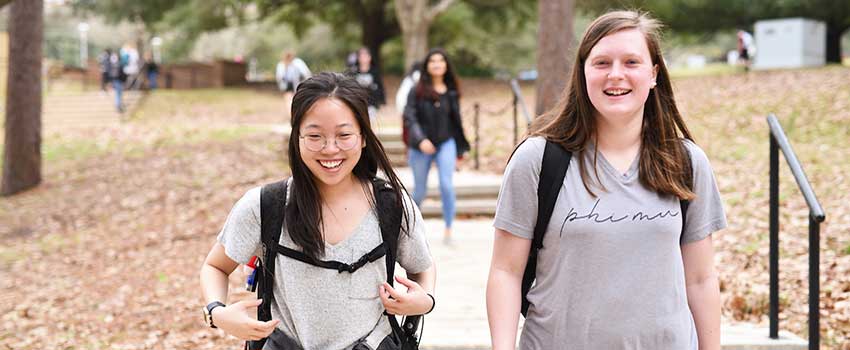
x: 654, y: 74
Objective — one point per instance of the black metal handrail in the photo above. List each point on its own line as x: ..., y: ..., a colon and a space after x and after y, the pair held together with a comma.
x: 518, y: 100
x: 778, y: 141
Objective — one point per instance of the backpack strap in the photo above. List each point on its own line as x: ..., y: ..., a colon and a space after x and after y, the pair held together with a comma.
x: 385, y: 201
x: 272, y: 204
x: 371, y: 256
x: 689, y: 181
x: 556, y: 161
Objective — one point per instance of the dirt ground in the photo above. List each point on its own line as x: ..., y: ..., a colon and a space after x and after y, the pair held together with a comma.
x: 105, y: 253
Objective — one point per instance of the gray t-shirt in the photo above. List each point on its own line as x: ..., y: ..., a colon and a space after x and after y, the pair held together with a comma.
x: 322, y: 308
x: 610, y: 274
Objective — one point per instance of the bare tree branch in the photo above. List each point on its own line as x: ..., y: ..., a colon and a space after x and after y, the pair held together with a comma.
x: 438, y: 9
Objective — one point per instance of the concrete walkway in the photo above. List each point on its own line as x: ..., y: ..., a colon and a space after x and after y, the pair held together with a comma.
x: 459, y: 320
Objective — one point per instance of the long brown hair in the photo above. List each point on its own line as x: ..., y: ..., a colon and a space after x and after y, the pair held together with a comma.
x: 571, y: 123
x: 303, y: 212
x: 425, y: 87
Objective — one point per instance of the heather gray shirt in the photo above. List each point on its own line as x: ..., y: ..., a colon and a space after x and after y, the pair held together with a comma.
x: 610, y: 274
x: 321, y: 308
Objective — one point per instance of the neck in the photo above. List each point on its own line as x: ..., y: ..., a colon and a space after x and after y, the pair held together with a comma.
x: 619, y: 135
x: 437, y: 80
x: 364, y: 67
x: 330, y: 193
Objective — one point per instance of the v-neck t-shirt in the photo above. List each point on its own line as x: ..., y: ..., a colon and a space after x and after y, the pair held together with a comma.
x: 318, y: 307
x: 610, y: 274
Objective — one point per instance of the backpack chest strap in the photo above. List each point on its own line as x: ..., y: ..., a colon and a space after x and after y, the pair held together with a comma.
x: 375, y: 254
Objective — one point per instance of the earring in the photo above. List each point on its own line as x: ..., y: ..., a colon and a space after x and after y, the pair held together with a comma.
x: 653, y: 85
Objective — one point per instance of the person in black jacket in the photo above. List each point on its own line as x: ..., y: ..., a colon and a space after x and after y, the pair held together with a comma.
x: 434, y: 131
x: 368, y: 75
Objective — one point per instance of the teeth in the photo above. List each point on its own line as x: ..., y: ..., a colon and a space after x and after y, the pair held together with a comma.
x: 330, y: 164
x: 616, y: 92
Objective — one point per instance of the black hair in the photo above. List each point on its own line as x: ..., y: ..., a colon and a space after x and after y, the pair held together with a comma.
x: 303, y: 212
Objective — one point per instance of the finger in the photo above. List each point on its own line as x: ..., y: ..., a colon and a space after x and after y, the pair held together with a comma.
x: 410, y: 284
x: 251, y: 303
x: 385, y: 296
x: 393, y: 293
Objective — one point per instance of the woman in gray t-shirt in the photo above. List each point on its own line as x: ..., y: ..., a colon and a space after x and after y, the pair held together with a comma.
x: 619, y: 268
x: 330, y: 216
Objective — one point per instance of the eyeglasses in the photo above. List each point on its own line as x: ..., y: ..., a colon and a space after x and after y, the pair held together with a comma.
x: 317, y: 142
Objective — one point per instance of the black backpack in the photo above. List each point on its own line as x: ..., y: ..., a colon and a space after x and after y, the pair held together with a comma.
x: 556, y: 161
x: 272, y: 203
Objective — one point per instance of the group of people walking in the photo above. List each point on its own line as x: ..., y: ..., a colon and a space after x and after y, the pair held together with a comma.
x: 124, y: 69
x: 608, y: 204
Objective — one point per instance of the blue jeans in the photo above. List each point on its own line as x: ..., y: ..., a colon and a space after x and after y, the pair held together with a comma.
x: 152, y: 80
x: 118, y: 85
x: 420, y: 163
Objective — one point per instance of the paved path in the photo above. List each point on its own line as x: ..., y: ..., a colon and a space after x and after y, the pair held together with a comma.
x: 459, y: 321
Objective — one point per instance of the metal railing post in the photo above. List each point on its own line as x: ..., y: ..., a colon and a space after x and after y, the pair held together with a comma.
x: 779, y: 142
x: 476, y: 121
x: 814, y: 283
x: 774, y: 238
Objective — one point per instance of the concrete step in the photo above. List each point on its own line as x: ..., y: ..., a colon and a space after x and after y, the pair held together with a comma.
x: 464, y: 207
x: 751, y: 337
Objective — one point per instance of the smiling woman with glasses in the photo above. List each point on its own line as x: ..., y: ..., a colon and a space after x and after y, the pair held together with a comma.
x: 324, y: 282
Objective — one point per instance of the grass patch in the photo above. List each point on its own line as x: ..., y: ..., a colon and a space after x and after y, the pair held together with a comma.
x: 57, y: 149
x: 708, y: 70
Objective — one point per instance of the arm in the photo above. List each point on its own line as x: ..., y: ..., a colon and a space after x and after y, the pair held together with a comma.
x: 427, y: 279
x: 510, y: 254
x: 236, y: 319
x: 415, y: 133
x: 703, y: 291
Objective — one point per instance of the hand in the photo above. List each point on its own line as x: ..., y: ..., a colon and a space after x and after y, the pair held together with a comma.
x: 237, y: 320
x: 427, y: 147
x: 413, y: 302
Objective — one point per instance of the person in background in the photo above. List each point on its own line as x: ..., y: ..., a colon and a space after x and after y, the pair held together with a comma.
x: 409, y: 81
x: 368, y: 76
x: 151, y: 71
x: 289, y: 72
x: 103, y: 60
x: 435, y: 131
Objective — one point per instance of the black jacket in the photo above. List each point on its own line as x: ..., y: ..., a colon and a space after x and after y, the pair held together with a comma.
x: 419, y: 116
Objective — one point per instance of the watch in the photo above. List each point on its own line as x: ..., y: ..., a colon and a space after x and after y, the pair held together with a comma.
x: 208, y: 312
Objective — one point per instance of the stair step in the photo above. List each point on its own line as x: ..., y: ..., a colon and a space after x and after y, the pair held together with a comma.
x: 433, y: 209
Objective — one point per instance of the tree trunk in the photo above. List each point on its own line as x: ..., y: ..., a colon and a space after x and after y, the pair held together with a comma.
x: 554, y: 44
x: 374, y: 32
x: 415, y: 18
x: 833, y: 43
x: 411, y: 16
x: 22, y: 151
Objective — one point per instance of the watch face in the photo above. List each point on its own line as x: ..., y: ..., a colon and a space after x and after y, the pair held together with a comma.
x: 207, y: 318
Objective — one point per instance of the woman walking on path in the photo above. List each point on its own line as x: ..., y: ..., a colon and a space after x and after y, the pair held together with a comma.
x: 368, y: 75
x: 435, y: 132
x: 330, y: 217
x: 622, y: 265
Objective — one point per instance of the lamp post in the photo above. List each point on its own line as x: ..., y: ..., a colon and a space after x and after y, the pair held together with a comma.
x: 83, y: 28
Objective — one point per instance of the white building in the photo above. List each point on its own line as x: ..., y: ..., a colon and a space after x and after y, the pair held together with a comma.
x: 789, y: 43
